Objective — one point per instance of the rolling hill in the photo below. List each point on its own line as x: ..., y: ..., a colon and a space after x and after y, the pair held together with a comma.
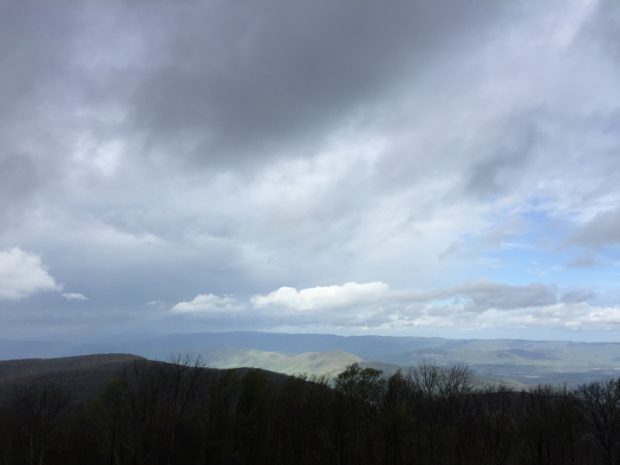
x: 508, y: 360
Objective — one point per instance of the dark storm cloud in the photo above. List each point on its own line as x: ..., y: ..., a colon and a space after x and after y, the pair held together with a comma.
x: 226, y: 81
x: 35, y: 50
x: 36, y: 57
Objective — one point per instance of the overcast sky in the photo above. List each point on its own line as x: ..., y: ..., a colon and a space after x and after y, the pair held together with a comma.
x: 444, y: 168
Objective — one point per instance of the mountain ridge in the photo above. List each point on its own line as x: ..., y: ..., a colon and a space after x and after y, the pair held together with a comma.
x: 511, y: 360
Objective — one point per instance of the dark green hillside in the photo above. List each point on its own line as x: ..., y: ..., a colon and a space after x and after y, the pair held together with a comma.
x: 22, y: 369
x: 81, y: 377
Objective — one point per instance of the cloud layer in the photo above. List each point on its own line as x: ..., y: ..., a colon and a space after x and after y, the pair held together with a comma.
x: 472, y: 306
x: 150, y: 152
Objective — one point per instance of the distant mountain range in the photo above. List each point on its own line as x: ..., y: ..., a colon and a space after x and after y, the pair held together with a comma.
x: 505, y: 360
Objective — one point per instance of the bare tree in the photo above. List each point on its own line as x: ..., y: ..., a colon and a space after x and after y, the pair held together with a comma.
x: 40, y: 409
x: 495, y: 411
x: 600, y: 407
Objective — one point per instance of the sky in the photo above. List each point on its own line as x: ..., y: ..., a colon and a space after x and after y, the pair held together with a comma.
x: 408, y: 167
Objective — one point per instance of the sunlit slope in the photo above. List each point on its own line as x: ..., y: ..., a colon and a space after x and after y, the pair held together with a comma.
x: 311, y: 363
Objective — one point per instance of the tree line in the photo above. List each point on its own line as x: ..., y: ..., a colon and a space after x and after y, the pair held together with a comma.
x: 182, y: 414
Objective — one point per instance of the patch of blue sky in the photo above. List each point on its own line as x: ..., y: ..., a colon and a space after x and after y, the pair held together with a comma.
x: 544, y: 254
x: 525, y: 265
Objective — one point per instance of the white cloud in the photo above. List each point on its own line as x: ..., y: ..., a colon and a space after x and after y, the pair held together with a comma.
x: 23, y: 274
x: 156, y: 304
x: 208, y: 303
x: 469, y: 307
x: 563, y: 315
x: 74, y: 296
x: 316, y: 298
x: 606, y: 318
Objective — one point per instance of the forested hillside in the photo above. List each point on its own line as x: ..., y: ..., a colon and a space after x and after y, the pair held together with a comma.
x: 144, y: 412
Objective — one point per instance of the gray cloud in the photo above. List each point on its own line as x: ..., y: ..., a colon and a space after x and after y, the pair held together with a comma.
x: 603, y: 26
x: 602, y: 230
x: 486, y: 295
x: 577, y: 295
x: 43, y: 88
x: 583, y: 261
x: 251, y: 80
x: 499, y: 171
x: 19, y: 179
